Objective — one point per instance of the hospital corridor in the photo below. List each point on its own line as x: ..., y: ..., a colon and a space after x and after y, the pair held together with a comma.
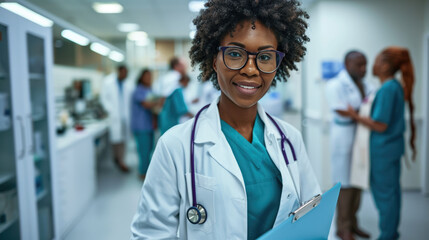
x: 214, y: 119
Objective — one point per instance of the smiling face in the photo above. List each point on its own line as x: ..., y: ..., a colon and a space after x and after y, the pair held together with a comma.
x: 243, y: 88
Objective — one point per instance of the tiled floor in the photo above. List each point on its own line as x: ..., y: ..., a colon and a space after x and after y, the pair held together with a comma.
x: 111, y: 212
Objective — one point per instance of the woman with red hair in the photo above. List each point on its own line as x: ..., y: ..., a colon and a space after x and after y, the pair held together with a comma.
x: 387, y: 125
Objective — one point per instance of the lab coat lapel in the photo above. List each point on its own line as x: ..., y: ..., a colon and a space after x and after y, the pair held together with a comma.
x: 289, y: 173
x: 350, y: 85
x: 271, y: 135
x: 209, y: 131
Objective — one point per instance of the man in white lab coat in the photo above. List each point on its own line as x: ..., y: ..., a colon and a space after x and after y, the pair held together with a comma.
x: 347, y: 89
x: 115, y: 97
x: 169, y: 82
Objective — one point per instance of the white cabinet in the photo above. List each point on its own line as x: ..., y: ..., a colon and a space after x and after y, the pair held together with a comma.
x: 77, y: 182
x: 26, y: 130
x: 75, y: 172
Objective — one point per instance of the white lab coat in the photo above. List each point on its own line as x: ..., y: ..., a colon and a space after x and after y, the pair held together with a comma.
x: 117, y: 106
x: 360, y: 165
x: 167, y: 192
x: 341, y: 92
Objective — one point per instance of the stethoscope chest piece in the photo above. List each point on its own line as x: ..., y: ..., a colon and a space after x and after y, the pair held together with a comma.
x: 197, y: 215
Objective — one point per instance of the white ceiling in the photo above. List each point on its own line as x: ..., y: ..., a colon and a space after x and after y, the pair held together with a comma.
x: 158, y: 18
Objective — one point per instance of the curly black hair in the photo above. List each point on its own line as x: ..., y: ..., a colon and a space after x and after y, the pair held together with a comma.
x: 220, y: 17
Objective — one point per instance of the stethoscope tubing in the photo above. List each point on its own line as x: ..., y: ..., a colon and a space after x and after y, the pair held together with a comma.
x: 192, y: 165
x: 194, y: 194
x: 284, y: 139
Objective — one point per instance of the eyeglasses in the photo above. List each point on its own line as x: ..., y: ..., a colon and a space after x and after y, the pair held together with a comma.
x: 235, y: 58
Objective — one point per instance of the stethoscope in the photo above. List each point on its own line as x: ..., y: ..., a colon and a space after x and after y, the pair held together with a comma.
x: 197, y: 214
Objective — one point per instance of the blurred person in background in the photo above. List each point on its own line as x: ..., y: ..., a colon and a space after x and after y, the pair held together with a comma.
x: 387, y: 124
x: 115, y: 97
x: 347, y: 89
x: 174, y: 107
x: 169, y: 82
x: 143, y: 121
x: 207, y: 93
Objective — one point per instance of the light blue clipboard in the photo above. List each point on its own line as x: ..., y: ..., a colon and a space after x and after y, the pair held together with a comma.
x: 314, y: 224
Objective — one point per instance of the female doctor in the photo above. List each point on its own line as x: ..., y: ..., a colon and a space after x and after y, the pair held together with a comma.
x: 223, y: 174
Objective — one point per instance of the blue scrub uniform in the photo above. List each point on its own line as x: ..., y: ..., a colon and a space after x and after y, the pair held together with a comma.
x: 174, y: 107
x: 142, y: 127
x: 261, y: 177
x: 386, y: 149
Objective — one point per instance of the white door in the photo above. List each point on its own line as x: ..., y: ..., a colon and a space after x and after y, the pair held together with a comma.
x: 38, y: 59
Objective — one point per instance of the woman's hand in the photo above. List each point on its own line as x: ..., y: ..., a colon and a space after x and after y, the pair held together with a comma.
x: 352, y: 113
x: 371, y: 124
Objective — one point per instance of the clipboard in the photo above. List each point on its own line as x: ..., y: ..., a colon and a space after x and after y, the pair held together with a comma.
x: 310, y: 221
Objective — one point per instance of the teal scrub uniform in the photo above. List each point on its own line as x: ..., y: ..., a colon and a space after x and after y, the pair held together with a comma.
x: 261, y: 177
x: 386, y: 149
x: 174, y: 107
x: 145, y: 144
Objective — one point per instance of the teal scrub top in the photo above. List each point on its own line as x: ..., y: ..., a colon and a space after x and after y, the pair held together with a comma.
x: 174, y: 107
x: 261, y: 177
x: 388, y: 108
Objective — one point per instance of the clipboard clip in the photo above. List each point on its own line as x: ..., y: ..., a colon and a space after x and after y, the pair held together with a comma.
x: 305, y: 208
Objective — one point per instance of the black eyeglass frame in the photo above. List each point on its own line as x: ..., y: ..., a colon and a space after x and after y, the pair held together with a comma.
x: 222, y: 48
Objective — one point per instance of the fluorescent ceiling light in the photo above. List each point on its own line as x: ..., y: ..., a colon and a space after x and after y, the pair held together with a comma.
x: 128, y: 27
x: 99, y: 48
x: 116, y: 56
x: 75, y: 37
x: 27, y: 13
x: 196, y: 6
x: 107, y: 7
x: 137, y: 35
x: 192, y: 34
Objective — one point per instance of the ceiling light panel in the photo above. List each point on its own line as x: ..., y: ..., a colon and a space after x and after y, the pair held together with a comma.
x: 27, y: 13
x: 196, y: 6
x: 137, y: 36
x: 107, y: 7
x: 99, y: 48
x: 128, y: 27
x: 75, y: 37
x: 192, y: 34
x: 116, y: 56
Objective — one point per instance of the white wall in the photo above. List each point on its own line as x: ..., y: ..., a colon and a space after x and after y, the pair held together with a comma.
x: 337, y: 26
x: 426, y: 19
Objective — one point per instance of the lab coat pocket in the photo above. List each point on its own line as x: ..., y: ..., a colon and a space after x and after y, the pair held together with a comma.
x: 204, y: 188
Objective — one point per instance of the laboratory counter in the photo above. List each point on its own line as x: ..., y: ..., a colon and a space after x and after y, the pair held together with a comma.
x: 75, y: 172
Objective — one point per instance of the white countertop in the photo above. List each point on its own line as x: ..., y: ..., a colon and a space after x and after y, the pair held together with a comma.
x: 72, y: 136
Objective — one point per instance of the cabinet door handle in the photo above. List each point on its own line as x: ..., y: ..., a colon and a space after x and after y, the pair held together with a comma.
x: 21, y: 125
x: 31, y: 141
